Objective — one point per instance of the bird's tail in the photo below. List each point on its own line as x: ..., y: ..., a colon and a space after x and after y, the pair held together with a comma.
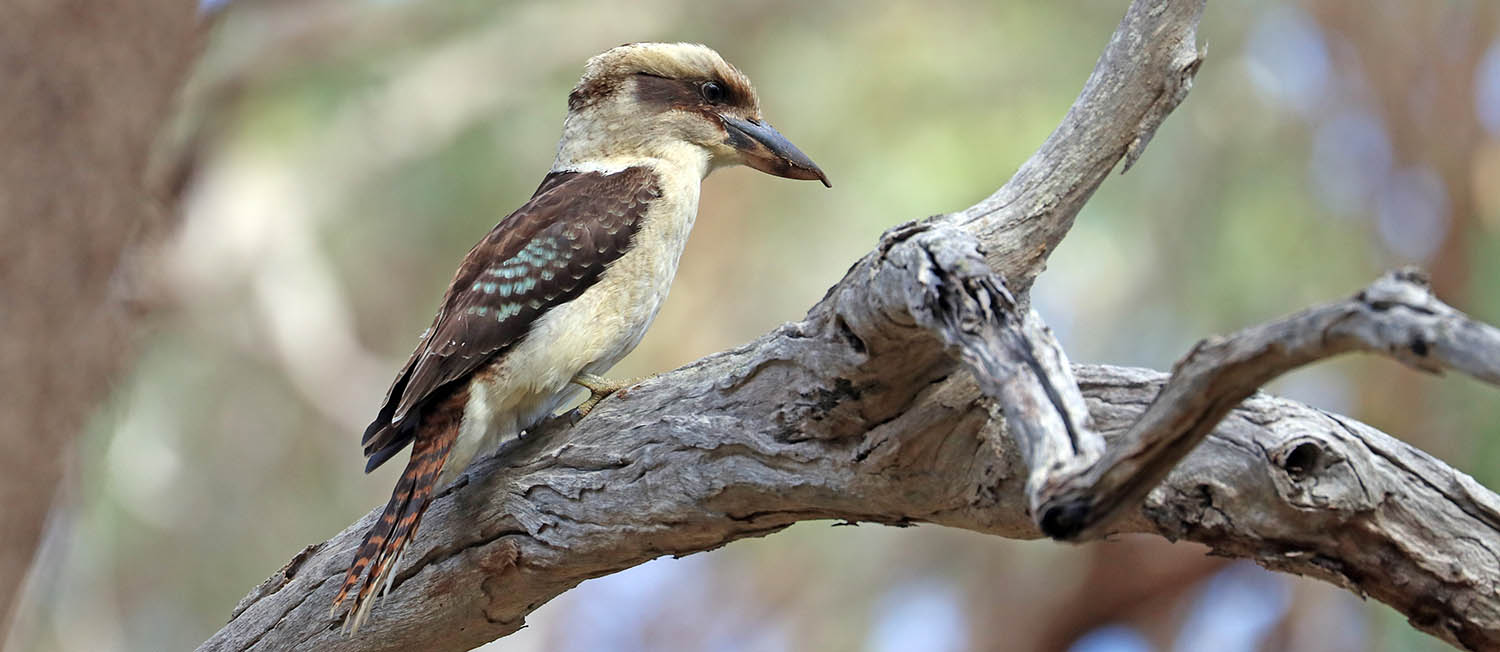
x: 383, y: 545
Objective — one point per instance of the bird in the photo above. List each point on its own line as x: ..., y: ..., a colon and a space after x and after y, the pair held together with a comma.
x: 564, y: 287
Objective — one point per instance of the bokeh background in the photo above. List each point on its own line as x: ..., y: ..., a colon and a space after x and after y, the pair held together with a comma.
x: 347, y: 154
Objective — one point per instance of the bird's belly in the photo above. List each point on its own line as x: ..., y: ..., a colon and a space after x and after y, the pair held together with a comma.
x: 607, y: 321
x: 530, y: 382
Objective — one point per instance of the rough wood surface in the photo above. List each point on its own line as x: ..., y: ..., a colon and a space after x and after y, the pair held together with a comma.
x: 1396, y: 316
x: 900, y: 399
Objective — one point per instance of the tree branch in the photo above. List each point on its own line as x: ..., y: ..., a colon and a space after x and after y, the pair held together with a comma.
x: 863, y: 411
x: 1144, y: 73
x: 1396, y: 316
x: 1304, y: 491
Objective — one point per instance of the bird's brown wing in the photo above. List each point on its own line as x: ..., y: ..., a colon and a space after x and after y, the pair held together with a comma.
x: 546, y: 253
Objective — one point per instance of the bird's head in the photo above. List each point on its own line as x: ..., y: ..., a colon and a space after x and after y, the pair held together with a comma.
x: 674, y: 101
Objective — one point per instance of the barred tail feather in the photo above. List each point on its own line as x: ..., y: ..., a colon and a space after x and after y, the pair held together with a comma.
x: 382, y: 549
x: 374, y: 543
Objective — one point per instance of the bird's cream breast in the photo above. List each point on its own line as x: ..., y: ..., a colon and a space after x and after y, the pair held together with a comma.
x: 609, y: 319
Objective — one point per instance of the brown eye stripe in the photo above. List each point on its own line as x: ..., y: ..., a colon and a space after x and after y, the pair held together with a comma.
x: 660, y: 91
x: 685, y: 93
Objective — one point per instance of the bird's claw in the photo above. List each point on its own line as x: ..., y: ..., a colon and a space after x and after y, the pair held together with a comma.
x: 599, y: 388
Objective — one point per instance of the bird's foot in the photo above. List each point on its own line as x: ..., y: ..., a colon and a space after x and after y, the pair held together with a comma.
x: 599, y: 388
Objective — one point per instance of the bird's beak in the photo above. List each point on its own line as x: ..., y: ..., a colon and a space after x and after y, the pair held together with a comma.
x: 765, y: 149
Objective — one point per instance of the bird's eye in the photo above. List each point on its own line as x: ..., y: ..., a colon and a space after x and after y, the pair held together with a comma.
x: 712, y: 92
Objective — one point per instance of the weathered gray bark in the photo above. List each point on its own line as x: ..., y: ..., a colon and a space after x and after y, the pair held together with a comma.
x: 1396, y: 316
x: 900, y: 399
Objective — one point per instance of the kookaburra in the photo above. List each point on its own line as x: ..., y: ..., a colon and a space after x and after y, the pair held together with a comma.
x: 564, y: 287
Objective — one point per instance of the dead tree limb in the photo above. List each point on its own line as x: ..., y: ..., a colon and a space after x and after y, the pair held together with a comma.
x: 900, y: 399
x: 1396, y: 316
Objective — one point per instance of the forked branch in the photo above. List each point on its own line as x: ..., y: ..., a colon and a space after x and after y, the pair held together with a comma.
x: 1396, y: 316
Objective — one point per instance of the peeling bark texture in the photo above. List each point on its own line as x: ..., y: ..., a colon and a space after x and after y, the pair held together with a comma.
x: 922, y: 389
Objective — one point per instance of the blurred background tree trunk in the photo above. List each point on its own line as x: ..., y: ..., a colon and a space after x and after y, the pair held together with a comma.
x: 1427, y: 96
x: 87, y: 88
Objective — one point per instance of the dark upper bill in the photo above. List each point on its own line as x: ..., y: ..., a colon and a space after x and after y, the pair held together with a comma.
x: 765, y: 149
